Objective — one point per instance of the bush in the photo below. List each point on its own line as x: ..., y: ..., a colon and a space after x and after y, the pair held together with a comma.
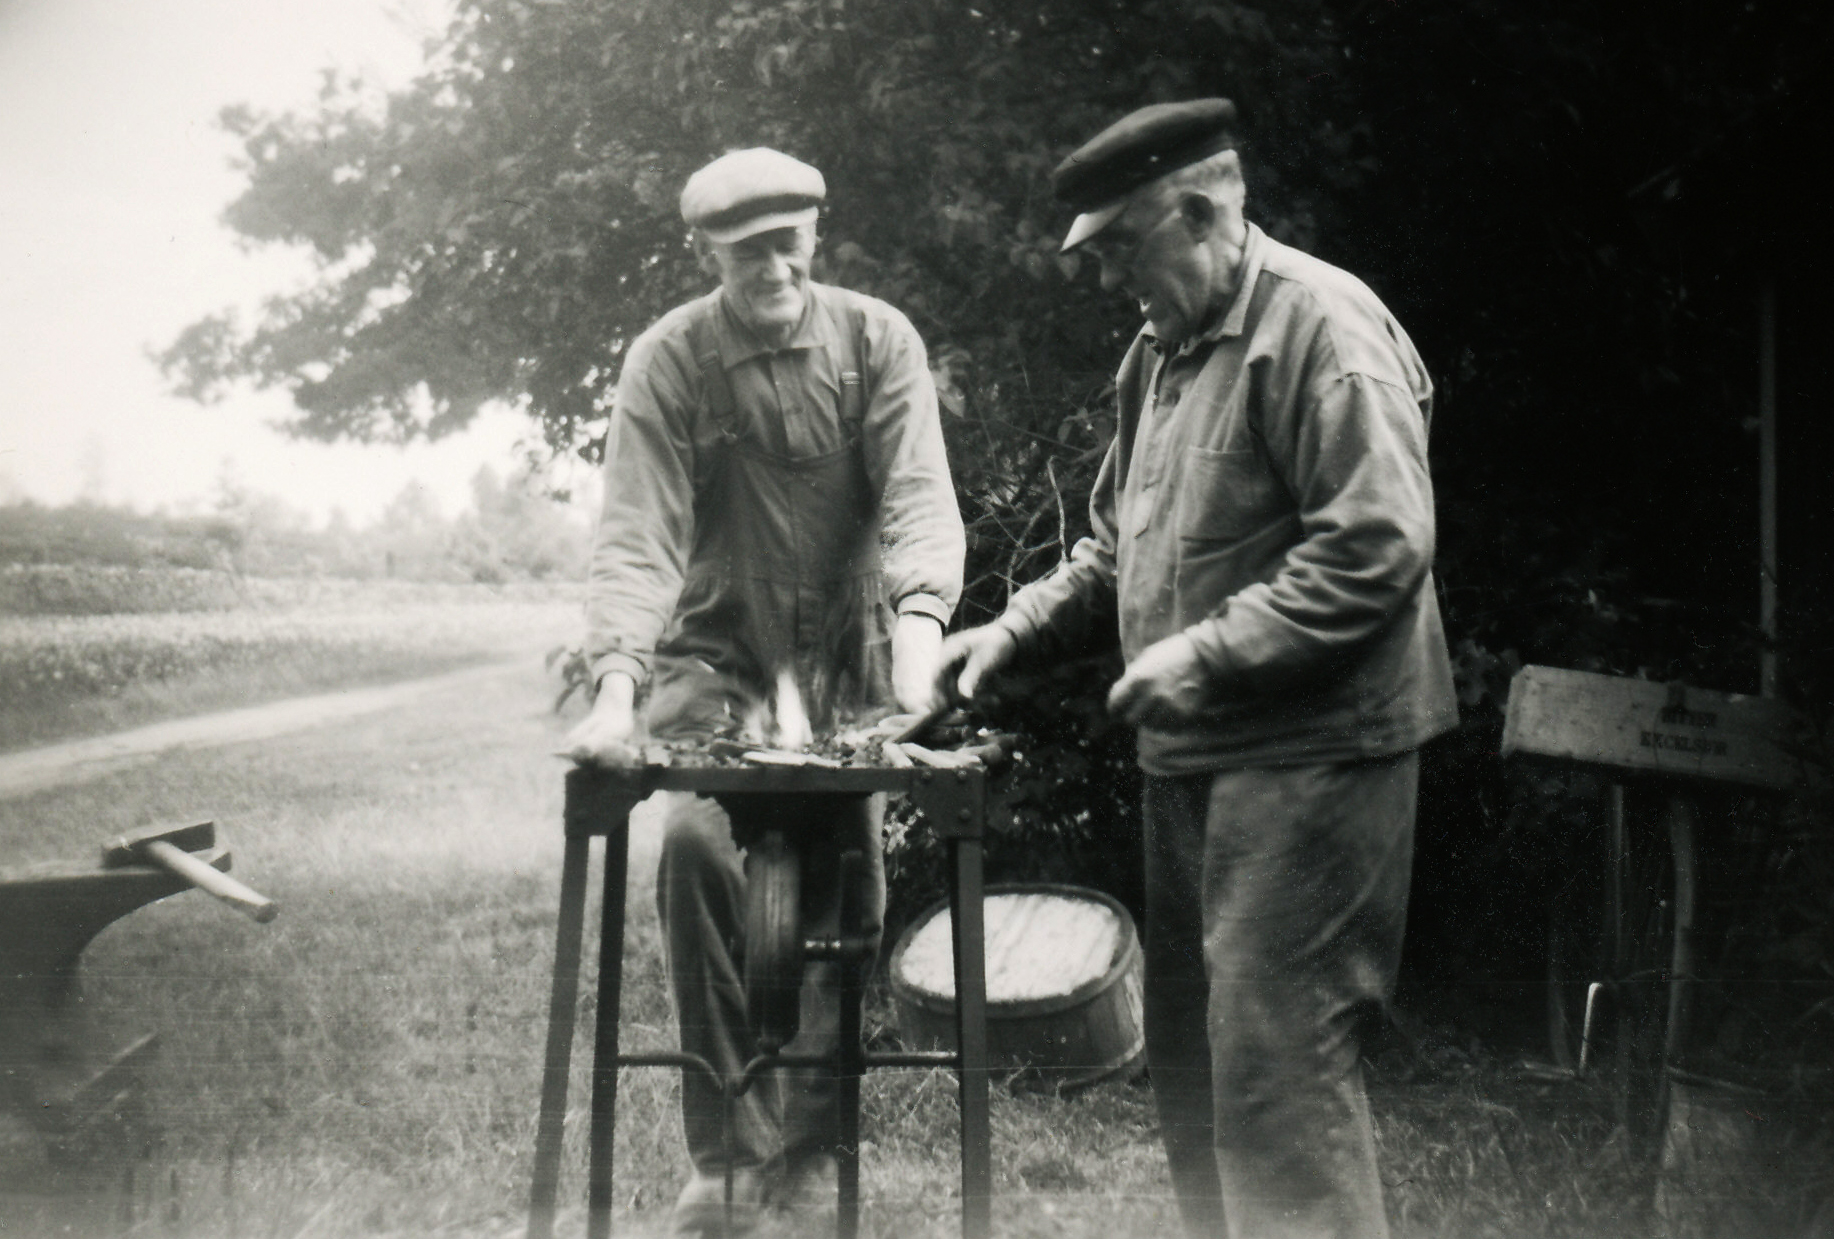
x: 87, y: 533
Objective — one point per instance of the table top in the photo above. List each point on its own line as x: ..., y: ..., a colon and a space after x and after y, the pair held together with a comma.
x: 953, y: 801
x: 810, y: 779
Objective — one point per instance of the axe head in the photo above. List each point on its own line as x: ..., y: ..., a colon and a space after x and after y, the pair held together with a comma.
x: 125, y: 850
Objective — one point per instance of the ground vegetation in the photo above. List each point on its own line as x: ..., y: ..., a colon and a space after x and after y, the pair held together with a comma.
x: 369, y: 1062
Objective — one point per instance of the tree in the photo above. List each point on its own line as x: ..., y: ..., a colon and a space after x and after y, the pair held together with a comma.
x: 500, y: 230
x: 514, y: 531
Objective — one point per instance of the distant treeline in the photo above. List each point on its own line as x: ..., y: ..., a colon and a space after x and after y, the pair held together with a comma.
x: 86, y: 533
x: 62, y: 559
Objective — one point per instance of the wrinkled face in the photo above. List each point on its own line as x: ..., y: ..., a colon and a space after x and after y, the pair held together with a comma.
x: 1154, y: 253
x: 765, y: 276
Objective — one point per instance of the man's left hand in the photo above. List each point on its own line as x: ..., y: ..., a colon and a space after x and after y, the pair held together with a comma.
x: 916, y: 654
x: 1166, y: 685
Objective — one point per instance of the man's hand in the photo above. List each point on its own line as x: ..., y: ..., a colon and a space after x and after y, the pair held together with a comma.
x: 607, y: 735
x: 916, y: 647
x: 969, y: 657
x: 1167, y: 684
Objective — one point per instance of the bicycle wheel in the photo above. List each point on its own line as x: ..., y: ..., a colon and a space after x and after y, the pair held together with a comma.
x: 1623, y: 920
x: 1656, y: 971
x: 1580, y: 942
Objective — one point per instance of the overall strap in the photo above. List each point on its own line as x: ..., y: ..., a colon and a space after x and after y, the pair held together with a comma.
x: 715, y: 389
x: 853, y: 372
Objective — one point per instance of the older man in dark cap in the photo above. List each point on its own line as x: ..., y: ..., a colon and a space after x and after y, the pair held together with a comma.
x: 779, y: 542
x: 1264, y: 519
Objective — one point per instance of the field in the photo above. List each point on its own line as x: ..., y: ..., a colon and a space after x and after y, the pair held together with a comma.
x: 367, y: 1064
x: 91, y: 649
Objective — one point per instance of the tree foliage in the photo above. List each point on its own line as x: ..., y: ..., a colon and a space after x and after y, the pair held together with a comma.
x: 1562, y: 203
x: 500, y: 229
x: 503, y: 228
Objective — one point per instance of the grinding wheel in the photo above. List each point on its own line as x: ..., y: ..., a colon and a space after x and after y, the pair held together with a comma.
x: 773, y: 940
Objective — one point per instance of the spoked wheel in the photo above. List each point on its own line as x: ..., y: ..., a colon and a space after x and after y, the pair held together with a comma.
x: 1623, y: 920
x: 1578, y: 954
x: 773, y: 939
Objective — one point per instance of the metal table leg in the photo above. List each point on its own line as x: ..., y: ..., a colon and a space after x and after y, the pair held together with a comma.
x: 850, y: 1053
x: 549, y: 1128
x: 957, y: 808
x: 591, y: 809
x: 969, y: 941
x: 598, y: 804
x: 605, y: 1031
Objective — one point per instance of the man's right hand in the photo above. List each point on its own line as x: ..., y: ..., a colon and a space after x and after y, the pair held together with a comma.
x: 607, y: 736
x: 970, y: 656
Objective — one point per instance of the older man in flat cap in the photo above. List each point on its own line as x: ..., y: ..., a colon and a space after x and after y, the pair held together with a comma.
x: 1264, y: 519
x: 778, y: 510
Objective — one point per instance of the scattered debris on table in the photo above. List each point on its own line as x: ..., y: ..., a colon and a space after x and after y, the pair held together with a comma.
x: 949, y: 742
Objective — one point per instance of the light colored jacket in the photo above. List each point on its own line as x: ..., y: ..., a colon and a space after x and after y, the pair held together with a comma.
x: 1267, y: 493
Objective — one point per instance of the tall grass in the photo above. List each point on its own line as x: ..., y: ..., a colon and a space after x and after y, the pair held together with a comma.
x: 368, y: 1063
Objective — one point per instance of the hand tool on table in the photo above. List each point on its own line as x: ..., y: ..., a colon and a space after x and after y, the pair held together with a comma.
x: 922, y: 723
x: 171, y: 847
x: 768, y: 756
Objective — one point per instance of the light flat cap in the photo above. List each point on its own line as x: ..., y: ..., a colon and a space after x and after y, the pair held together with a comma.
x: 1136, y: 150
x: 743, y: 193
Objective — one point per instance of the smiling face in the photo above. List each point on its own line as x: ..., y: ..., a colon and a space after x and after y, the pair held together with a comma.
x: 1158, y: 253
x: 1177, y: 247
x: 765, y: 277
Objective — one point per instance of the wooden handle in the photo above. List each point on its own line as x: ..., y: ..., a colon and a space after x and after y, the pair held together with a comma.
x: 922, y: 723
x: 213, y: 881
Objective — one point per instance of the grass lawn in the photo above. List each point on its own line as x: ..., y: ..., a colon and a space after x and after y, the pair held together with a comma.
x: 368, y: 1063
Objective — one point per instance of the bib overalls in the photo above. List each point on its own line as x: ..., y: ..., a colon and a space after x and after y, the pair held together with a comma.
x: 784, y: 574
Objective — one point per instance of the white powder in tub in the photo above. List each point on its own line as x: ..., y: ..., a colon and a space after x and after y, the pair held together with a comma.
x: 1039, y: 945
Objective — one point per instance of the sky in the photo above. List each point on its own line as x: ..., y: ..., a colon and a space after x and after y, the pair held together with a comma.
x: 113, y: 176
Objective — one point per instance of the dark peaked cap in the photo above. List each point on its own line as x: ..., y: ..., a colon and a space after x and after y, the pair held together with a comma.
x: 1136, y: 150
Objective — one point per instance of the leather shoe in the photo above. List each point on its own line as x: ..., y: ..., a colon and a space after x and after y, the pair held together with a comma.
x: 701, y: 1213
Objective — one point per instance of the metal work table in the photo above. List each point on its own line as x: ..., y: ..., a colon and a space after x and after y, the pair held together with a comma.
x: 598, y: 804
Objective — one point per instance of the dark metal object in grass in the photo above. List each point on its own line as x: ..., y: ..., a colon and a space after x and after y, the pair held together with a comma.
x: 57, y: 1079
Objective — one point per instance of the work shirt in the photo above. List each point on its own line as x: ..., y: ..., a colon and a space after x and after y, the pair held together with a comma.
x: 686, y: 481
x: 1267, y: 494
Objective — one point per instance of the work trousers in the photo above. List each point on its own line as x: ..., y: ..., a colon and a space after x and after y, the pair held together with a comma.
x: 1276, y: 900
x: 788, y: 1114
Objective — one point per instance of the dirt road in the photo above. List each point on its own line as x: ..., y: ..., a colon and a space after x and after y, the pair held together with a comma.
x: 75, y: 761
